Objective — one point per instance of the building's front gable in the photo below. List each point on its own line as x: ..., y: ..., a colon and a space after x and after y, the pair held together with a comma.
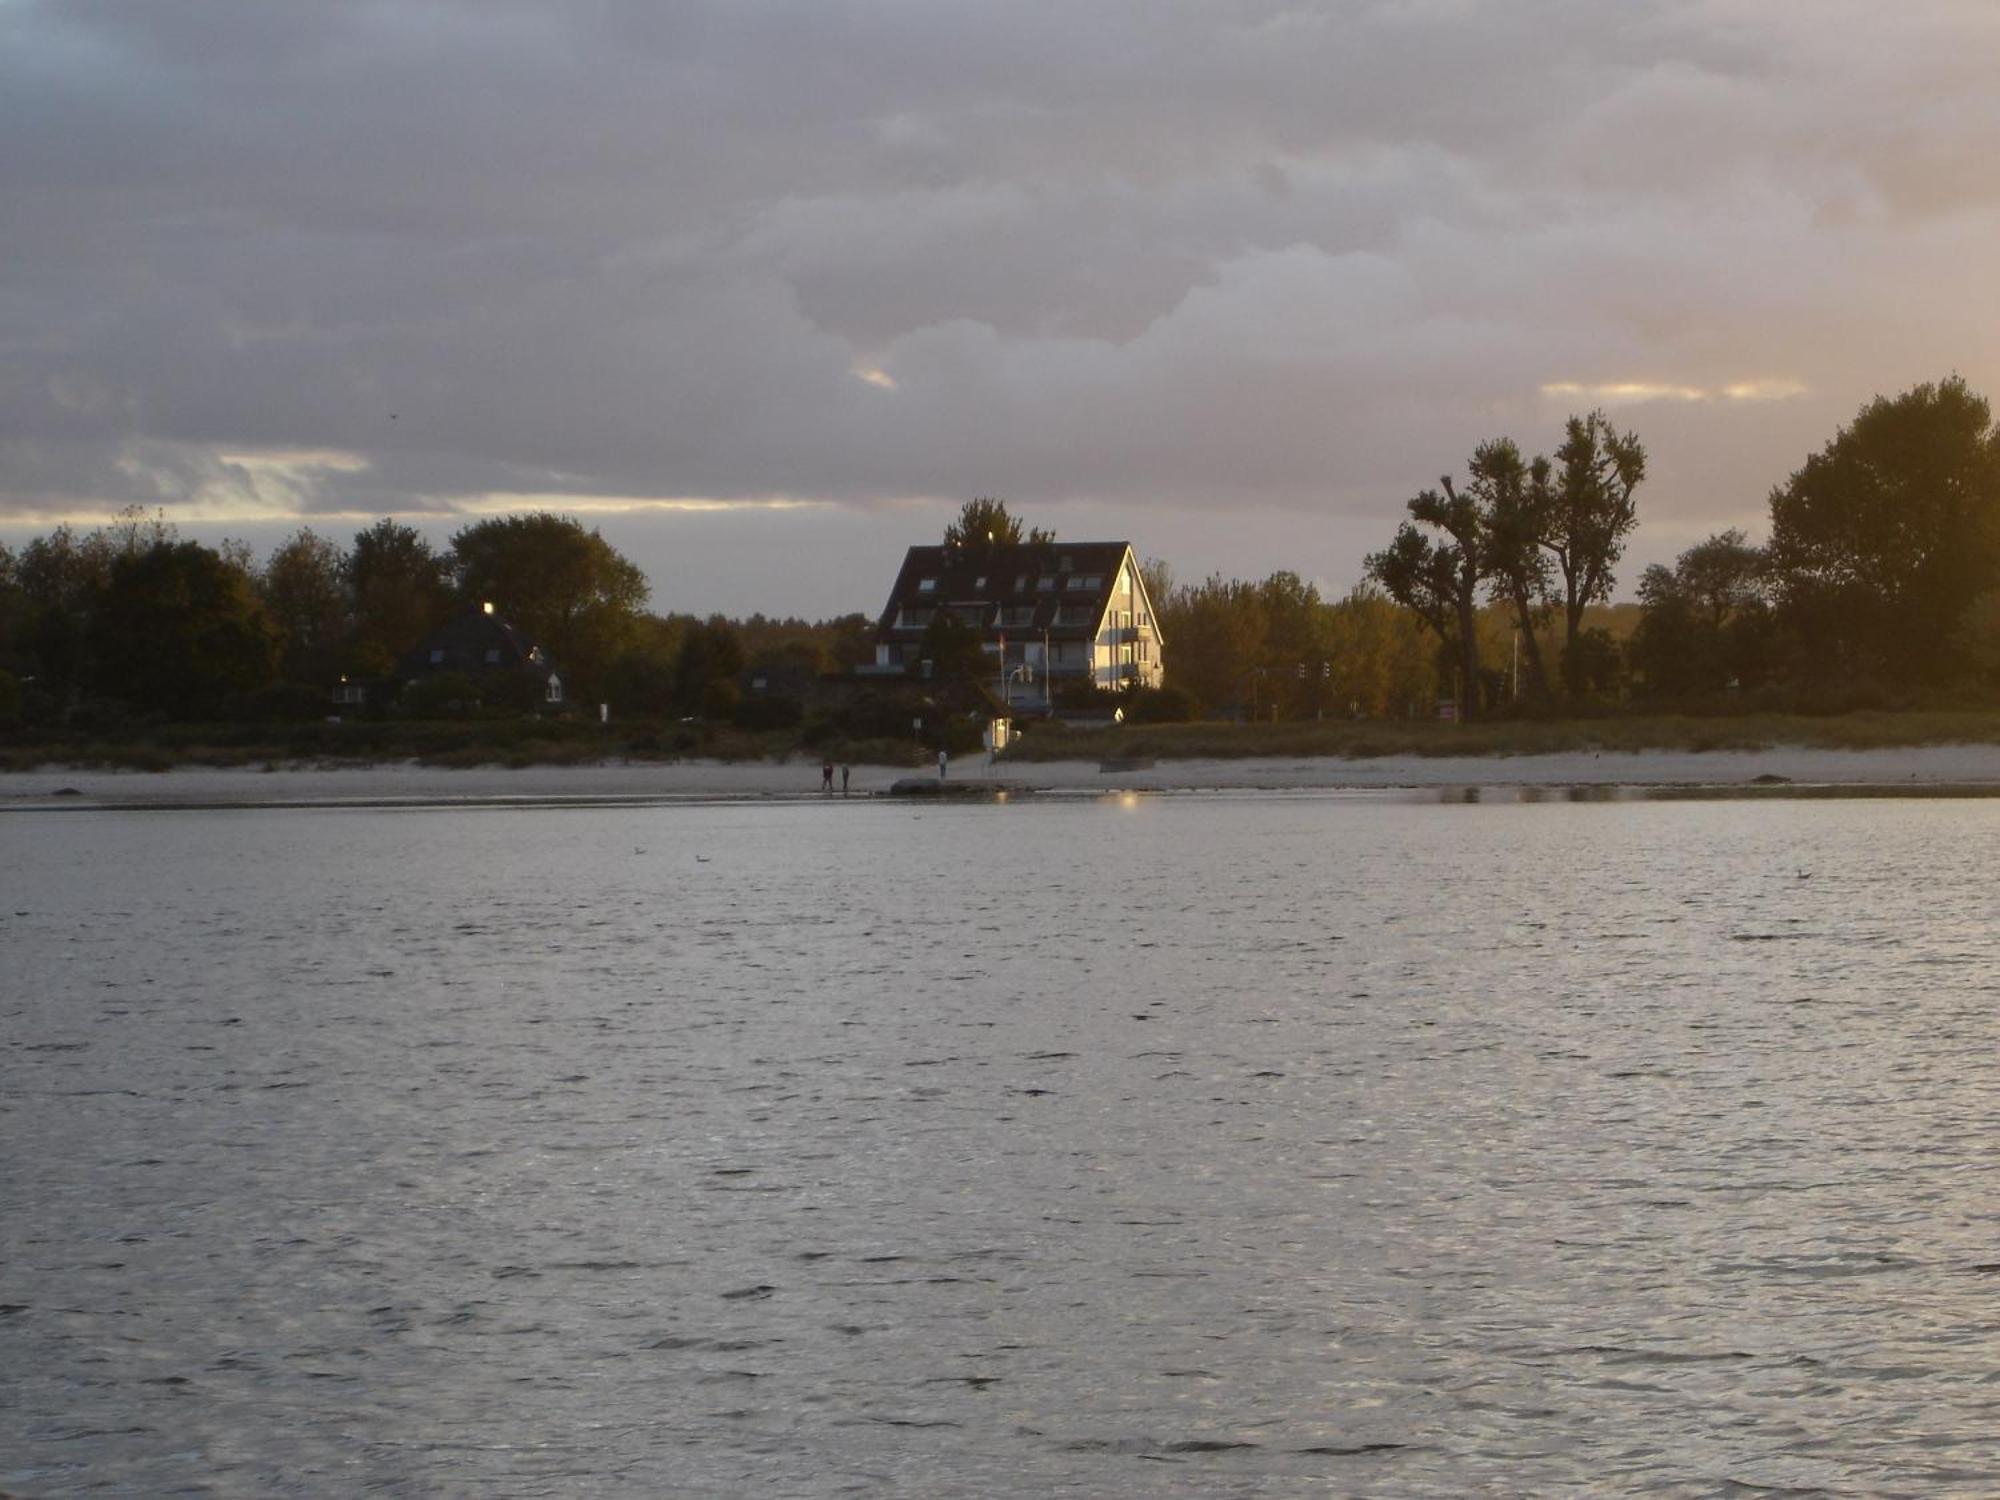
x: 1076, y: 611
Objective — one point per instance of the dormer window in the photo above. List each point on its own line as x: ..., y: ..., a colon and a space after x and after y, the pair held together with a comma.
x: 1066, y: 564
x: 1045, y: 584
x: 979, y: 584
x: 1020, y: 583
x: 927, y: 585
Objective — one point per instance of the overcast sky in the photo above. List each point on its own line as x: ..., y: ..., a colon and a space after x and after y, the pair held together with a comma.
x: 764, y: 290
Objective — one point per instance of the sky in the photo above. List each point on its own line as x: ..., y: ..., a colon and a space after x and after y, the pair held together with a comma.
x: 765, y: 289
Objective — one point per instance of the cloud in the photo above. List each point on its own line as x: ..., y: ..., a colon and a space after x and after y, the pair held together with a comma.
x: 1642, y: 392
x: 1159, y: 260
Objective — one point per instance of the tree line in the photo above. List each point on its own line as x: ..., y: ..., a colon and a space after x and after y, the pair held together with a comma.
x: 132, y: 620
x: 1879, y: 584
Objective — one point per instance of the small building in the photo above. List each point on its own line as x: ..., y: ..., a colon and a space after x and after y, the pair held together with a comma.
x: 491, y: 653
x: 1045, y: 612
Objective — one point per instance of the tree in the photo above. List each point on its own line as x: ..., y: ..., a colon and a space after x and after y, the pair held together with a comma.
x: 986, y: 523
x: 1382, y: 665
x: 1513, y: 497
x: 1217, y: 631
x: 180, y: 629
x: 1707, y: 620
x: 1586, y: 514
x: 304, y: 588
x: 705, y: 672
x: 399, y: 592
x: 1440, y: 579
x: 952, y: 647
x: 1882, y: 541
x: 573, y: 592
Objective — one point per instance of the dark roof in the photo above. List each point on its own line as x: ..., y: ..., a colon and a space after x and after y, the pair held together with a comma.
x: 1077, y: 574
x: 474, y: 642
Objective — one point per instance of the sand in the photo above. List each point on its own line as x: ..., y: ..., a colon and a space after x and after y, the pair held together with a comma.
x: 1934, y: 766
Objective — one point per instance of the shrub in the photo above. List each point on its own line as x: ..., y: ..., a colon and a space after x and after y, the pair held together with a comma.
x: 769, y: 713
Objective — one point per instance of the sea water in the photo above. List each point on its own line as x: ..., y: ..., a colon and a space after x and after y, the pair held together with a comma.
x: 1179, y: 1146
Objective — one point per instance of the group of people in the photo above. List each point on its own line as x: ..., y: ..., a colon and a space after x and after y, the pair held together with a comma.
x: 826, y: 778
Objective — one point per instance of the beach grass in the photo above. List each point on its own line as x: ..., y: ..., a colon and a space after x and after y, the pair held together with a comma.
x: 1349, y: 740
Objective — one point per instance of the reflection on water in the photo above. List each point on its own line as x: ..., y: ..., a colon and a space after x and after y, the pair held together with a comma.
x: 1181, y: 1146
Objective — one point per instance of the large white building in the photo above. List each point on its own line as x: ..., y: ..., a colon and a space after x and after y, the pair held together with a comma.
x: 1044, y: 611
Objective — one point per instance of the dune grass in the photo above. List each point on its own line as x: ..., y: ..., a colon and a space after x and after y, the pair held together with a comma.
x: 1369, y: 740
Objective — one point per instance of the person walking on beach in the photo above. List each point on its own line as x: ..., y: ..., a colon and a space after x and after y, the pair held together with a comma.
x: 826, y: 777
x: 941, y: 764
x: 845, y: 772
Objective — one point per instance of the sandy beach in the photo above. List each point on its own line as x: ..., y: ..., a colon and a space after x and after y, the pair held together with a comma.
x: 1971, y: 767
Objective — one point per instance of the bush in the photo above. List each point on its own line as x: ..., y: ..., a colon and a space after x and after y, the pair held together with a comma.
x: 1161, y: 705
x: 447, y: 695
x: 769, y: 713
x: 719, y: 699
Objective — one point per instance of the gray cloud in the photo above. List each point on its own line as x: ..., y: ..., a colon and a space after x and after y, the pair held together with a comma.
x: 1235, y: 275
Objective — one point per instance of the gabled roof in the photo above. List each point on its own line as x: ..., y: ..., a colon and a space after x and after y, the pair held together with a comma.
x: 1042, y: 577
x: 474, y: 641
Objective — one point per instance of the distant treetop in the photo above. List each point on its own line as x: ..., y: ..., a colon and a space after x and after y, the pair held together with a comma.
x: 987, y: 523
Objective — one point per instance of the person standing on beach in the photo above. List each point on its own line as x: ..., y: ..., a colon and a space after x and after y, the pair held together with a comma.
x: 845, y: 772
x: 826, y: 777
x: 941, y: 764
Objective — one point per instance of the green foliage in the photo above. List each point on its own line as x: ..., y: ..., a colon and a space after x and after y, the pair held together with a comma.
x: 1707, y: 624
x: 1537, y: 535
x: 1589, y: 512
x: 1883, y: 540
x: 711, y: 655
x: 986, y: 522
x: 571, y: 591
x: 769, y: 713
x: 398, y: 590
x: 442, y: 695
x: 304, y: 588
x: 1161, y: 705
x: 178, y: 629
x: 953, y: 649
x: 719, y: 698
x: 1977, y: 640
x: 642, y: 679
x: 1438, y: 578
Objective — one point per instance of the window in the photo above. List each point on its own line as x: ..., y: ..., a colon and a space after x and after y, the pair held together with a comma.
x: 914, y: 619
x: 1077, y: 584
x: 1020, y: 583
x: 1065, y: 564
x: 350, y: 692
x: 1018, y: 615
x: 1076, y: 614
x: 437, y: 655
x: 492, y: 656
x: 554, y: 693
x: 979, y: 584
x: 927, y: 585
x: 1045, y: 584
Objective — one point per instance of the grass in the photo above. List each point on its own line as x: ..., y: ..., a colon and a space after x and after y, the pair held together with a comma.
x: 1360, y: 741
x: 450, y: 743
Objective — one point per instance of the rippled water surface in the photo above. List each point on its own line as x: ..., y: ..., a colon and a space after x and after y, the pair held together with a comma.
x: 1182, y: 1146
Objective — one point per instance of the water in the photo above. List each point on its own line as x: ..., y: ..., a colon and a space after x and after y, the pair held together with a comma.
x: 1180, y: 1146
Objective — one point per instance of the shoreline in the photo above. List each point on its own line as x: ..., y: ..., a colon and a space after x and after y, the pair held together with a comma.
x: 1780, y: 771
